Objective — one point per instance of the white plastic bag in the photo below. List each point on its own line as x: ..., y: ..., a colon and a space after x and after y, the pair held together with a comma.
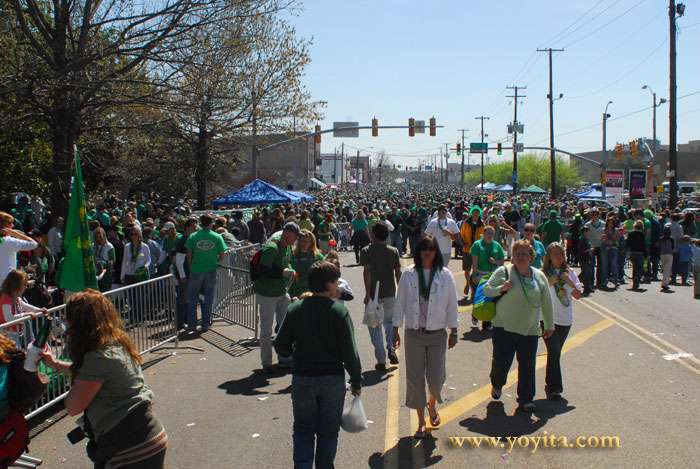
x: 374, y: 312
x: 354, y: 417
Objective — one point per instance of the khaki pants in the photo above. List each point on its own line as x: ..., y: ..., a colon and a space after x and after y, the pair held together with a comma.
x: 425, y: 361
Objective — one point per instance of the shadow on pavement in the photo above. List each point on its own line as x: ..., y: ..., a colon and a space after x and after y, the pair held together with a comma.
x: 226, y: 344
x: 499, y: 424
x: 403, y: 452
x: 249, y: 385
x: 474, y: 334
x: 374, y: 377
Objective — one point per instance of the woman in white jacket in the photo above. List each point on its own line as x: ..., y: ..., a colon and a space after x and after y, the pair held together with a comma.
x: 427, y: 300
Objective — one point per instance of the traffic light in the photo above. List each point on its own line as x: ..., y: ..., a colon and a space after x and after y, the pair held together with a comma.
x: 499, y: 149
x: 317, y: 137
x: 420, y: 167
x: 618, y: 150
x: 650, y: 175
x: 411, y: 127
x: 459, y: 149
x: 375, y: 130
x: 633, y: 147
x: 432, y: 126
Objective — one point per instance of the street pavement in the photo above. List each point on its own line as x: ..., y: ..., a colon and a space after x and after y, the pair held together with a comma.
x: 623, y: 387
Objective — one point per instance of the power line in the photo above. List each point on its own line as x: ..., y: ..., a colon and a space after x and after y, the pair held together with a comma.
x: 606, y: 24
x: 555, y: 38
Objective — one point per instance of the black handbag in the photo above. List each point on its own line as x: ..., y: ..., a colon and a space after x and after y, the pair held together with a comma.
x: 26, y: 388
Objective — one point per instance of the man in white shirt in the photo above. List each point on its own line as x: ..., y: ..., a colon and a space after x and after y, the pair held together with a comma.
x: 445, y: 231
x: 56, y: 238
x: 11, y: 242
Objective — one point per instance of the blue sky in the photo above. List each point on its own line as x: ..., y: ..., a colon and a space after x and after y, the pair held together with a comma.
x: 453, y: 60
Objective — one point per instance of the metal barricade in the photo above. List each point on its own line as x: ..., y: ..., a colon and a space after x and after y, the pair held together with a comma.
x: 234, y: 301
x: 148, y: 312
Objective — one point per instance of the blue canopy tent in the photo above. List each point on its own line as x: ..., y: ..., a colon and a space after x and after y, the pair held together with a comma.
x: 255, y: 193
x: 505, y: 188
x: 593, y: 194
x: 302, y: 196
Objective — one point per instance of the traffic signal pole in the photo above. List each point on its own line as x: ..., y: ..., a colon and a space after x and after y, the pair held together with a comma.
x: 461, y: 179
x: 481, y: 118
x: 552, y: 160
x: 515, y: 136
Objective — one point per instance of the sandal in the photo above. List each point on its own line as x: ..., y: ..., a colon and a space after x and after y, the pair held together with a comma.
x: 419, y: 435
x: 435, y: 422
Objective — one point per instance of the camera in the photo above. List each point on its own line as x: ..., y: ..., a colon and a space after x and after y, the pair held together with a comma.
x: 78, y: 433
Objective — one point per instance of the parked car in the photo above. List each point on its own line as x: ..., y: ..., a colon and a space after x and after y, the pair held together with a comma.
x: 598, y: 203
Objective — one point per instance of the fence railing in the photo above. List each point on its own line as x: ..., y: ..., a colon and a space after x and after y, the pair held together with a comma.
x: 234, y: 301
x: 148, y: 312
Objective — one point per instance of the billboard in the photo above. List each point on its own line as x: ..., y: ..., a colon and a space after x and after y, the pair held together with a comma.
x: 637, y: 183
x: 614, y: 181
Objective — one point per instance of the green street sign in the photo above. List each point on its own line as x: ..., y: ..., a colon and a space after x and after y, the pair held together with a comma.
x: 478, y: 147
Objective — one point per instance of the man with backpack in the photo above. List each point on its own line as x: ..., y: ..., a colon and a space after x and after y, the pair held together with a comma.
x: 271, y: 270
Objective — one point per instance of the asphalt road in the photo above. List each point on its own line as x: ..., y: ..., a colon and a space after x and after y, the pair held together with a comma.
x: 221, y: 412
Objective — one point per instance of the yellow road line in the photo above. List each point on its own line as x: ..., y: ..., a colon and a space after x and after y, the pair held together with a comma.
x: 650, y: 340
x: 468, y: 402
x: 391, y: 429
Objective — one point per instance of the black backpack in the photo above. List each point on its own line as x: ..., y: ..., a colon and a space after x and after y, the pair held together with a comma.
x: 254, y: 264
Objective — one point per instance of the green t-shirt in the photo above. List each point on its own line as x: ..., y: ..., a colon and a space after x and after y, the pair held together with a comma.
x: 323, y: 227
x: 123, y: 388
x: 301, y: 262
x: 552, y: 231
x: 647, y: 231
x: 275, y: 256
x: 382, y: 260
x: 205, y: 246
x: 359, y: 225
x: 484, y: 251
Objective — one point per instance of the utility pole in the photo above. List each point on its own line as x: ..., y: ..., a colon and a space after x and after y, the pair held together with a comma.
x: 605, y: 150
x: 294, y: 153
x: 516, y: 127
x: 464, y: 150
x: 552, y: 158
x: 481, y: 118
x: 672, y: 150
x: 445, y: 171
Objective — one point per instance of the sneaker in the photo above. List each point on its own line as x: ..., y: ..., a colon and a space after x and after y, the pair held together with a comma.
x: 393, y: 359
x: 554, y: 396
x: 496, y: 392
x: 285, y: 365
x: 267, y: 370
x: 380, y: 367
x: 528, y: 407
x: 475, y: 322
x: 489, y: 327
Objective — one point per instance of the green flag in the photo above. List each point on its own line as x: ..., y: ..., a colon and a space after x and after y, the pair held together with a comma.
x: 77, y: 269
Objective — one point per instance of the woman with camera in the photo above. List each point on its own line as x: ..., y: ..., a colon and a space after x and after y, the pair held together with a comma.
x: 108, y: 386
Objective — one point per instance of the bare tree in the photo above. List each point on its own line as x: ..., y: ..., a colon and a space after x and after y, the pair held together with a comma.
x: 383, y: 163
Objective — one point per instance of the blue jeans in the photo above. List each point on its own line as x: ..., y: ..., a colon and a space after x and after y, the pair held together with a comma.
x: 375, y: 333
x: 621, y: 259
x: 317, y: 403
x: 204, y: 283
x: 637, y: 259
x: 610, y: 265
x: 396, y: 239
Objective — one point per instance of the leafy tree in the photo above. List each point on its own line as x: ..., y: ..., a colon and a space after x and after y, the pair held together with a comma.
x: 532, y: 169
x: 74, y: 56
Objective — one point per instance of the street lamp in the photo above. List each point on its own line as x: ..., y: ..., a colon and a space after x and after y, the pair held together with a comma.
x: 655, y: 104
x: 357, y: 167
x: 606, y: 116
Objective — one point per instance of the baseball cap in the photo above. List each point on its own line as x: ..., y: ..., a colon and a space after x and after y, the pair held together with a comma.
x: 168, y: 226
x: 293, y: 227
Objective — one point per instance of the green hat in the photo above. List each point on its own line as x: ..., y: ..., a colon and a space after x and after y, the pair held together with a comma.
x: 553, y: 213
x: 648, y: 213
x: 525, y: 206
x: 476, y: 207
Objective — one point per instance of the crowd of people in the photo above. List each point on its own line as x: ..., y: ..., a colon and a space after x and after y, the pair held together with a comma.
x: 535, y: 255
